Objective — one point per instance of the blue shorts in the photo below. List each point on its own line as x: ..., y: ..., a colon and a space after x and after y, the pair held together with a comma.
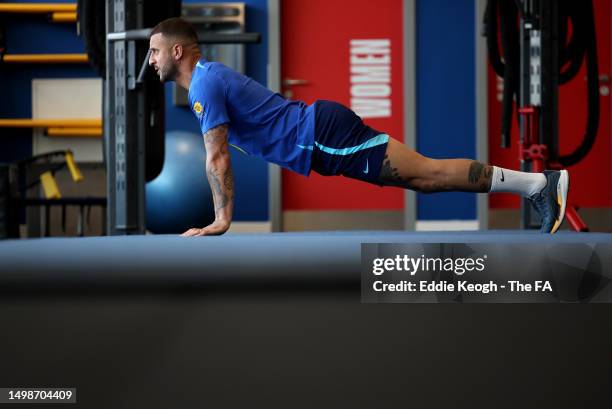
x: 344, y: 145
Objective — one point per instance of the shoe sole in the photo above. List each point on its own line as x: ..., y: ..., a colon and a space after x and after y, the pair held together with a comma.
x: 562, y: 188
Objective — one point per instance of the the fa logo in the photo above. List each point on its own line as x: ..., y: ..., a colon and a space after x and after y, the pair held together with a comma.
x: 197, y: 108
x: 543, y: 286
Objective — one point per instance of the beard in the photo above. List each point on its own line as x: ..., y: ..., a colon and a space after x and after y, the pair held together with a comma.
x: 167, y: 72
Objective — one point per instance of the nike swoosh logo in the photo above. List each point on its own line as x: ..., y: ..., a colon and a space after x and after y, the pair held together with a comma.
x: 502, y: 177
x: 367, y: 169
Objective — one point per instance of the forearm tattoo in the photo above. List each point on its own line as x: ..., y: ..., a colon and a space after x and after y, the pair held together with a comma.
x: 229, y: 179
x: 220, y: 193
x: 219, y: 173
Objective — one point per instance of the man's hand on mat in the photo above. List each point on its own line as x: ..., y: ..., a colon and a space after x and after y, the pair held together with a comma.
x: 216, y: 228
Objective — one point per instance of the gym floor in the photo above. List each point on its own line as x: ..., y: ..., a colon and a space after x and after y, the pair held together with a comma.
x: 276, y: 321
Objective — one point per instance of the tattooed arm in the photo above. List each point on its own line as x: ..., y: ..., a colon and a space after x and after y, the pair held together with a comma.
x: 221, y: 180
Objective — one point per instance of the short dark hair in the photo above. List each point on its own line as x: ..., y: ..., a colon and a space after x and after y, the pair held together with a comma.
x: 178, y: 29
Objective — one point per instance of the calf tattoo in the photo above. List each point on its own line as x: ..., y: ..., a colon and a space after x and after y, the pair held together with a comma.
x: 476, y: 169
x: 480, y: 175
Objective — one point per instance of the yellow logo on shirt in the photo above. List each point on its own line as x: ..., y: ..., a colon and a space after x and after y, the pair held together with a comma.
x: 197, y: 108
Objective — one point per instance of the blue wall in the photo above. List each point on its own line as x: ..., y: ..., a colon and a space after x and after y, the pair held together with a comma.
x: 446, y: 100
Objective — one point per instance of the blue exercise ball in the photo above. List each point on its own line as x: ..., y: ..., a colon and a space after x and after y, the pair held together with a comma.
x: 180, y: 197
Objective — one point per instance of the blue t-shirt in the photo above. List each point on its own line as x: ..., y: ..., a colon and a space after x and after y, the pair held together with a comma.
x: 261, y: 122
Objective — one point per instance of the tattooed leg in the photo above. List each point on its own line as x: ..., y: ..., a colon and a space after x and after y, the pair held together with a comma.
x: 408, y: 169
x: 480, y: 175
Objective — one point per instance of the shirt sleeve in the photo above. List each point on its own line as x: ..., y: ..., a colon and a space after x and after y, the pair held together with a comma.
x: 208, y: 102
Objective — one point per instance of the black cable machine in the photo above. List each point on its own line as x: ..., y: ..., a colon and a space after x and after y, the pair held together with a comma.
x: 134, y: 125
x: 544, y: 50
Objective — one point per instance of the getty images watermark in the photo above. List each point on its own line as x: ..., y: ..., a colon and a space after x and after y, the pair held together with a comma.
x: 458, y: 266
x: 491, y: 273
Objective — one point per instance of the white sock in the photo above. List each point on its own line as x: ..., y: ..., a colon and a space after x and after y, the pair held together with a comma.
x: 523, y: 183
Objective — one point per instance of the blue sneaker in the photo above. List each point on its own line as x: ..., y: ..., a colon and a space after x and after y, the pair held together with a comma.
x: 551, y: 200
